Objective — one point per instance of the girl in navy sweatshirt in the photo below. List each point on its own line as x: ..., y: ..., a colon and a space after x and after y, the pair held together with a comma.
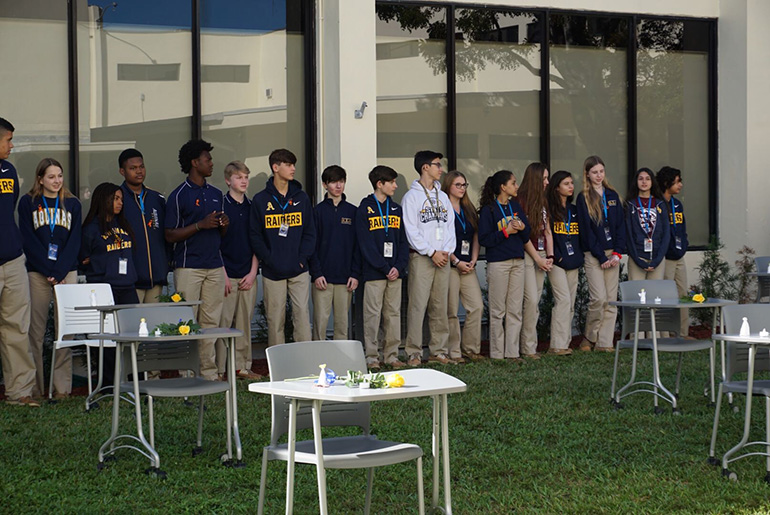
x: 646, y: 228
x: 49, y: 221
x: 568, y: 258
x: 603, y: 238
x: 106, y: 252
x: 503, y: 230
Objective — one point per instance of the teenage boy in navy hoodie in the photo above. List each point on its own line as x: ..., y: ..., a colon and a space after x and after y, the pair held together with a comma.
x: 145, y: 211
x: 18, y: 367
x: 240, y: 272
x: 385, y: 253
x: 283, y: 238
x: 195, y: 223
x: 335, y: 267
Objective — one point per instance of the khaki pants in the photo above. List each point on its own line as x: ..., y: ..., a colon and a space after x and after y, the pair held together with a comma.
x: 274, y: 293
x: 676, y: 270
x: 18, y: 367
x: 465, y: 288
x: 638, y: 274
x: 237, y: 309
x: 533, y: 290
x: 382, y: 298
x: 564, y: 286
x: 40, y: 294
x: 506, y: 296
x: 334, y: 296
x: 151, y: 295
x: 208, y: 286
x: 428, y: 288
x: 602, y: 289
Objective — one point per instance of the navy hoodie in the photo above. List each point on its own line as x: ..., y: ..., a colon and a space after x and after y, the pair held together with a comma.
x: 677, y: 230
x: 640, y: 226
x: 562, y: 235
x: 593, y: 237
x: 371, y: 235
x: 282, y: 257
x: 150, y: 245
x: 500, y: 247
x: 336, y: 257
x: 34, y: 224
x: 106, y: 250
x: 9, y: 195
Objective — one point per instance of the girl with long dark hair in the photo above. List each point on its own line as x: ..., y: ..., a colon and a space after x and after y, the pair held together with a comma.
x: 503, y: 231
x: 647, y: 229
x: 49, y: 221
x: 603, y: 238
x: 463, y: 281
x: 538, y: 259
x: 568, y: 258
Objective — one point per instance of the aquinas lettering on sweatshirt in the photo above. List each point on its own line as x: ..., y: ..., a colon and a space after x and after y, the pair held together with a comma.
x: 42, y: 218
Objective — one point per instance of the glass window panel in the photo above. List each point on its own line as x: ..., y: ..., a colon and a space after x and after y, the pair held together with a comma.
x: 253, y: 93
x: 33, y: 36
x: 589, y: 94
x: 411, y: 86
x: 135, y: 88
x: 497, y: 60
x: 672, y: 119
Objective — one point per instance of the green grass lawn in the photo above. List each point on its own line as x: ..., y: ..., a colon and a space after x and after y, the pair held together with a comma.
x: 540, y: 437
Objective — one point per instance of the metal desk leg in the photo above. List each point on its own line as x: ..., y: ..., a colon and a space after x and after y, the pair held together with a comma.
x: 747, y: 420
x: 96, y: 390
x: 115, y: 411
x: 154, y: 458
x: 233, y: 424
x: 656, y: 364
x: 435, y: 448
x: 630, y: 383
x: 319, y: 453
x: 445, y: 445
x: 292, y: 443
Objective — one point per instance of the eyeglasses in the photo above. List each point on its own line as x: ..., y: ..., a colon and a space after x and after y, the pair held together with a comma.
x: 437, y: 164
x: 461, y: 185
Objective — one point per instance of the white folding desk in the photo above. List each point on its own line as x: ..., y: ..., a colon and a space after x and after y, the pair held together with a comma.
x: 132, y: 338
x: 422, y: 382
x: 713, y: 304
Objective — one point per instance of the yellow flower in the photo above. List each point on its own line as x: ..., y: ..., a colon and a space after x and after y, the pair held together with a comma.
x: 698, y: 297
x: 176, y: 298
x: 395, y: 380
x: 184, y: 329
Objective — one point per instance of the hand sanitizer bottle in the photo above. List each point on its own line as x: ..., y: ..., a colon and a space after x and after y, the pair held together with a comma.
x: 745, y: 329
x: 143, y: 328
x: 323, y: 381
x: 93, y: 297
x: 643, y: 296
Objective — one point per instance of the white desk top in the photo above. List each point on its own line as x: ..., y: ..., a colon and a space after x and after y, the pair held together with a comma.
x: 133, y: 336
x: 148, y: 305
x: 419, y: 382
x: 672, y: 303
x: 754, y: 338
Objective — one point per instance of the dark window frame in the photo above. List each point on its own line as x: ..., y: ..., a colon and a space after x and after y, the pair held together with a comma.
x: 631, y: 65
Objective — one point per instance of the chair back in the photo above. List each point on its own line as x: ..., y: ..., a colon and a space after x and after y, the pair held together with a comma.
x: 666, y: 319
x: 763, y: 284
x: 176, y: 355
x: 70, y: 322
x: 737, y: 354
x: 302, y: 359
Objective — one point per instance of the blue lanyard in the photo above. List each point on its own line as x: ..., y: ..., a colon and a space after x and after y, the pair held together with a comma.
x: 673, y: 215
x: 646, y: 216
x: 604, y: 205
x: 283, y: 207
x: 141, y: 200
x: 567, y: 223
x: 51, y: 217
x: 461, y: 218
x: 385, y: 218
x: 503, y: 212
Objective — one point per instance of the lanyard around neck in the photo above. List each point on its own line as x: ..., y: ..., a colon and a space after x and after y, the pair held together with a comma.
x: 51, y: 216
x: 385, y: 219
x: 646, y: 214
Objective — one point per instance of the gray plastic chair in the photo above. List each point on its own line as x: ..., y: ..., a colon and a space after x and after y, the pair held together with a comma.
x: 665, y: 320
x: 178, y: 355
x: 349, y: 452
x: 735, y: 360
x: 763, y: 283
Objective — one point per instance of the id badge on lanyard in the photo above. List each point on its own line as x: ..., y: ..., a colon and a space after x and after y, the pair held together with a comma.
x: 465, y: 248
x: 678, y: 242
x: 607, y: 233
x: 387, y: 250
x: 123, y: 266
x: 439, y: 233
x: 283, y: 231
x: 53, y: 251
x: 570, y: 250
x: 648, y: 244
x: 541, y: 243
